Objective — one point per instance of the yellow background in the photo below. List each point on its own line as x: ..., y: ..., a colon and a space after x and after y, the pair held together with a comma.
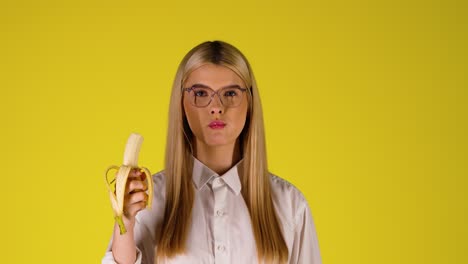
x: 365, y: 108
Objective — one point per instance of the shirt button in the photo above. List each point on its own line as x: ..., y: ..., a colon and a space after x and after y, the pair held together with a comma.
x: 221, y: 248
x: 217, y: 182
x: 219, y: 213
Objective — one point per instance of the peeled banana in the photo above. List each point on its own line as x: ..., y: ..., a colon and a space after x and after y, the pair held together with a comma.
x: 116, y: 185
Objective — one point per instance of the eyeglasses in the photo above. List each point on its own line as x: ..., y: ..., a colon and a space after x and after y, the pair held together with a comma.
x: 201, y: 96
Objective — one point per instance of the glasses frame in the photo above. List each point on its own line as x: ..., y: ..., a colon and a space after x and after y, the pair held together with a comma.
x: 189, y: 89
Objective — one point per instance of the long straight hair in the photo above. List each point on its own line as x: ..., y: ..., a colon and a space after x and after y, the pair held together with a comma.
x: 256, y: 190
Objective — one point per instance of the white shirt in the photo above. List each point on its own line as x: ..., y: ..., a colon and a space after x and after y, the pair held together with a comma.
x: 221, y: 231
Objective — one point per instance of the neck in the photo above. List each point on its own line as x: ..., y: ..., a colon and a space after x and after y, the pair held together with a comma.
x: 219, y: 158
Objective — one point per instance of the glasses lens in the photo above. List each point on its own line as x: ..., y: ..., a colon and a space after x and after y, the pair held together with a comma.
x: 200, y: 96
x: 231, y: 97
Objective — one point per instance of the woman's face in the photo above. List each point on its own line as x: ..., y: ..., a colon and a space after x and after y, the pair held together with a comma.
x: 207, y: 122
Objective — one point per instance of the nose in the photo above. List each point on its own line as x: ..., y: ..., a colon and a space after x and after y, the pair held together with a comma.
x: 216, y: 107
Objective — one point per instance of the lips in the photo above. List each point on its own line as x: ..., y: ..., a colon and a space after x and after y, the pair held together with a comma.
x: 217, y: 124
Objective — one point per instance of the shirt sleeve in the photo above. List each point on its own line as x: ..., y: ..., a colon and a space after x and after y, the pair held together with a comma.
x: 305, y: 247
x: 109, y: 258
x: 144, y: 245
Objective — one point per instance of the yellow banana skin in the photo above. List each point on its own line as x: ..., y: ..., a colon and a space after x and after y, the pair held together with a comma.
x: 116, y: 186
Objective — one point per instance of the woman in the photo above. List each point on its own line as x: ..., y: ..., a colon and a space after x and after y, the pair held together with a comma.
x: 215, y: 202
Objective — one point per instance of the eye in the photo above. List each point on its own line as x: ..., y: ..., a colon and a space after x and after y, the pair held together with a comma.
x: 230, y: 93
x: 200, y: 92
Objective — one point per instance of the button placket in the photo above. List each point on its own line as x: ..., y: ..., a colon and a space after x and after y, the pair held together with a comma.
x: 220, y: 190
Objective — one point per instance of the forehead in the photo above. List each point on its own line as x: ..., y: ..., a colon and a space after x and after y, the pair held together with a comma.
x: 214, y: 76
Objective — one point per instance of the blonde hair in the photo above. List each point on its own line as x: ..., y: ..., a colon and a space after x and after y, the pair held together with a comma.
x: 256, y: 190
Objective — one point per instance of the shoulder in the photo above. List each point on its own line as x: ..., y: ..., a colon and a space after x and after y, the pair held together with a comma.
x: 159, y: 178
x: 290, y: 203
x: 284, y: 189
x: 159, y: 186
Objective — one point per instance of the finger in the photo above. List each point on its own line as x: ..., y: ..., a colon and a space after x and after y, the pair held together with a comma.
x: 143, y: 176
x: 136, y: 198
x: 131, y: 211
x: 135, y: 186
x: 135, y: 172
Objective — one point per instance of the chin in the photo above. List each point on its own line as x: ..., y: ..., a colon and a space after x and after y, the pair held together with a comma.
x: 217, y: 141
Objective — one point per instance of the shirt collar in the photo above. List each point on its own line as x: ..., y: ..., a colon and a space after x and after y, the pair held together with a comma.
x: 202, y: 175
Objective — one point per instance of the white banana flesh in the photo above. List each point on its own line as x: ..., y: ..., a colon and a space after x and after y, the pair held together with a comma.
x: 117, y: 185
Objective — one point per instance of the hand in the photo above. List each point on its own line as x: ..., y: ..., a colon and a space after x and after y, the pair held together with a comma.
x: 135, y: 198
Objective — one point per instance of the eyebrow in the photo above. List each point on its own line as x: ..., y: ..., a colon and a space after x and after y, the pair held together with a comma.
x: 200, y: 85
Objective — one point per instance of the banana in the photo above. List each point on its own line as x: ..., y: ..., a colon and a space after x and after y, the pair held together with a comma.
x: 116, y: 186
